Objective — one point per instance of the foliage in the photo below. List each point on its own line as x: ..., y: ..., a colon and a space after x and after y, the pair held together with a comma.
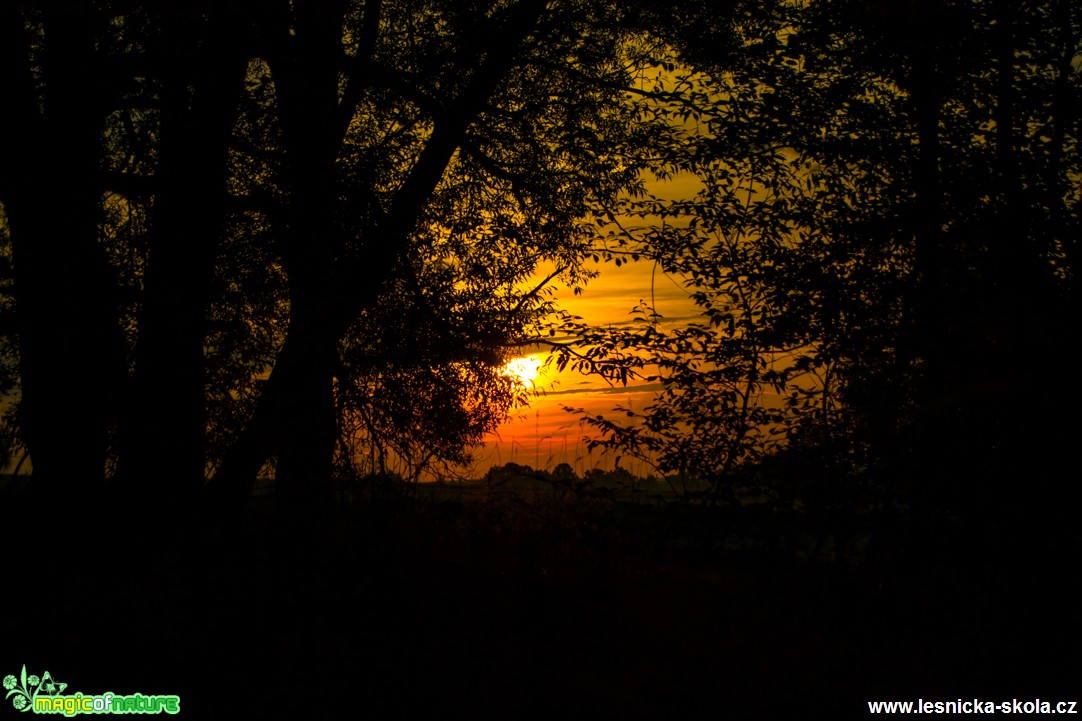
x: 308, y: 219
x: 880, y: 247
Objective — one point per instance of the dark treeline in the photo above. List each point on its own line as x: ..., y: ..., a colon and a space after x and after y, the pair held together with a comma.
x: 883, y: 252
x: 250, y: 234
x: 243, y: 233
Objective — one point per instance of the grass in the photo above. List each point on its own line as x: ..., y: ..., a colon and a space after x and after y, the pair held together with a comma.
x: 504, y: 604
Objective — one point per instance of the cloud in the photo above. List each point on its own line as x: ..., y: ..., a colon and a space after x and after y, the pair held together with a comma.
x: 605, y: 390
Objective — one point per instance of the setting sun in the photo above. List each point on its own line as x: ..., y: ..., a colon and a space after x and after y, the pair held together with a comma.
x: 525, y: 369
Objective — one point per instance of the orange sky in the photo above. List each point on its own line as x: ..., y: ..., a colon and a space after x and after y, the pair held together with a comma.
x: 544, y: 434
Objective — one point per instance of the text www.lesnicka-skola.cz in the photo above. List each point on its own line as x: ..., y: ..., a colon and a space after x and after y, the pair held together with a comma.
x: 1014, y: 706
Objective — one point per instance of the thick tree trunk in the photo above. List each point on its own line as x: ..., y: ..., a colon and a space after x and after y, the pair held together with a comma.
x: 306, y: 72
x: 308, y: 426
x: 163, y: 440
x: 71, y: 362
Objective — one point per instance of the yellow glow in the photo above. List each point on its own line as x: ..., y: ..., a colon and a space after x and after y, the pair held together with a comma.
x: 525, y: 369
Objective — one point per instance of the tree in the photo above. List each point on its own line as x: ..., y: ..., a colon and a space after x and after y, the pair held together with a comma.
x: 58, y: 267
x: 883, y: 240
x: 474, y: 140
x: 259, y: 191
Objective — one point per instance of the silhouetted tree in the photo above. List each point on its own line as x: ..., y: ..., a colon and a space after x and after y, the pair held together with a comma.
x: 437, y: 140
x: 262, y: 202
x: 882, y: 249
x: 54, y: 109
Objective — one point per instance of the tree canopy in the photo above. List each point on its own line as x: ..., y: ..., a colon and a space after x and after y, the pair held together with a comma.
x: 883, y: 252
x: 279, y: 222
x: 309, y: 234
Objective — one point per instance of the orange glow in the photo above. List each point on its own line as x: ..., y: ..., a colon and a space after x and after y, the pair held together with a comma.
x: 525, y: 369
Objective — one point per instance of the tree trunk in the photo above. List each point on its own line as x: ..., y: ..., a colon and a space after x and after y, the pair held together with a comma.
x: 71, y: 352
x: 163, y: 441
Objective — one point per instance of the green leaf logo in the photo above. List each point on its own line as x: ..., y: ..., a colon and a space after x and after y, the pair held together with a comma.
x: 23, y: 690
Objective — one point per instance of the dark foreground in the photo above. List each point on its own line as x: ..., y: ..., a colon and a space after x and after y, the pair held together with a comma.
x: 500, y: 608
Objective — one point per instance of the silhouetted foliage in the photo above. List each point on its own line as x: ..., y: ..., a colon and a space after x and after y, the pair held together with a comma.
x: 274, y: 217
x: 305, y: 235
x: 882, y: 249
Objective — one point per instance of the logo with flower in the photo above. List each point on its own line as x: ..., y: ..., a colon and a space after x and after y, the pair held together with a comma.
x: 26, y: 688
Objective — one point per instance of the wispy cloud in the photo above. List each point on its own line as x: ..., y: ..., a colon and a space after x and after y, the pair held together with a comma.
x: 605, y: 390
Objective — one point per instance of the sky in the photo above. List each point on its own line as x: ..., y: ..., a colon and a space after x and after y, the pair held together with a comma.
x: 544, y: 434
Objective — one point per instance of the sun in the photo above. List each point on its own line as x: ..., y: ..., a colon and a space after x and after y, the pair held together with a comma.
x: 525, y: 369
